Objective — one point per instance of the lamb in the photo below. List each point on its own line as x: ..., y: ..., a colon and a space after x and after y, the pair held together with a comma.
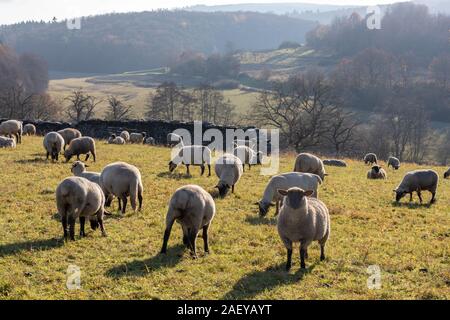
x: 306, y: 181
x: 246, y: 155
x: 12, y: 128
x: 447, y: 174
x: 370, y: 158
x: 174, y: 139
x: 29, y: 129
x: 77, y: 197
x: 394, y: 162
x: 7, y: 142
x: 334, y: 163
x: 309, y: 163
x: 53, y: 144
x: 69, y: 134
x: 122, y: 179
x: 229, y: 170
x: 138, y: 137
x: 418, y: 181
x: 376, y: 172
x: 302, y: 219
x: 194, y: 209
x: 150, y: 141
x: 125, y: 135
x: 83, y: 145
x: 115, y: 140
x: 192, y: 155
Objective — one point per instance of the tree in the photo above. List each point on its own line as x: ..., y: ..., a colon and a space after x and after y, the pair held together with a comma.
x: 342, y: 127
x: 169, y: 103
x: 117, y: 110
x: 81, y: 106
x: 440, y: 70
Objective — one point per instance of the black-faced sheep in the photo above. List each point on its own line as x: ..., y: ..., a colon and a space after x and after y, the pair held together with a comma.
x: 68, y: 135
x: 376, y: 172
x: 418, y: 181
x: 125, y: 135
x: 29, y: 129
x: 138, y: 137
x: 83, y: 145
x: 334, y: 163
x: 174, y: 139
x: 229, y: 170
x: 394, y: 162
x: 370, y: 158
x: 192, y: 155
x: 53, y: 144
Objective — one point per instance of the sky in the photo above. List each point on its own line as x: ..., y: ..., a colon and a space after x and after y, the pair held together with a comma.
x: 12, y: 11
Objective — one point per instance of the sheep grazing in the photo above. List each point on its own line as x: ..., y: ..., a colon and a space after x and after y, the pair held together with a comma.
x: 447, y: 174
x: 252, y: 143
x: 53, y: 144
x: 122, y: 179
x: 29, y: 129
x: 115, y: 140
x: 12, y: 128
x: 77, y: 197
x: 83, y: 145
x: 192, y: 155
x: 334, y: 163
x: 376, y: 172
x: 173, y: 139
x: 7, y: 142
x: 246, y: 155
x: 302, y: 219
x: 194, y: 209
x: 306, y: 181
x: 370, y: 158
x: 229, y: 170
x: 138, y: 137
x: 394, y: 162
x: 150, y: 141
x: 125, y: 135
x: 309, y: 163
x: 418, y: 181
x: 69, y: 134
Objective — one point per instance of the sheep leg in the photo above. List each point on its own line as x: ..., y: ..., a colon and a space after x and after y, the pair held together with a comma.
x: 419, y: 194
x: 410, y: 197
x: 209, y: 170
x: 140, y: 199
x: 48, y: 154
x: 202, y: 167
x: 187, y: 170
x: 243, y: 167
x: 78, y: 157
x: 289, y: 259
x: 82, y: 222
x: 249, y: 166
x: 192, y: 237
x: 205, y: 238
x: 94, y: 156
x: 322, y: 251
x: 120, y: 203
x: 232, y: 188
x: 64, y: 225
x: 124, y: 207
x: 433, y: 196
x: 100, y: 223
x: 87, y: 157
x: 166, y: 236
x: 303, y: 255
x: 72, y: 228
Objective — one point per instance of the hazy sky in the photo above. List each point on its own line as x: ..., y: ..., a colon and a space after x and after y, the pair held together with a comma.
x: 18, y: 10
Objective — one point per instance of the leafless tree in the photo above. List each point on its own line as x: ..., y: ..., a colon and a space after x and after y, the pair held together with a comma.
x: 81, y: 106
x: 117, y: 110
x: 342, y: 126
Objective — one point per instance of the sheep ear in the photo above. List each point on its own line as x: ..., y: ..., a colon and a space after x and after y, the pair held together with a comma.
x: 87, y: 166
x: 309, y: 193
x: 282, y: 192
x: 326, y: 174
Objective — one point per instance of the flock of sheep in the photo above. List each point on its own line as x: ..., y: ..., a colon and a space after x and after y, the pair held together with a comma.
x: 302, y: 217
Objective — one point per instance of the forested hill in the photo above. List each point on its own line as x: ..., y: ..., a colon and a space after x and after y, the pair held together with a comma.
x: 132, y: 41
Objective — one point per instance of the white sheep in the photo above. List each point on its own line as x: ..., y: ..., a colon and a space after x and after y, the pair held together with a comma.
x: 115, y: 140
x: 302, y: 219
x: 77, y: 197
x: 394, y: 162
x: 192, y: 155
x: 447, y: 174
x: 7, y: 142
x: 82, y: 145
x: 125, y: 135
x: 150, y: 141
x: 53, y: 143
x: 174, y: 139
x: 247, y: 156
x: 29, y: 129
x: 306, y: 181
x: 194, y: 209
x: 12, y: 128
x: 229, y: 170
x: 334, y: 163
x: 309, y: 163
x: 418, y: 181
x: 370, y: 158
x: 69, y: 134
x: 138, y: 137
x: 376, y: 172
x: 121, y: 180
x: 252, y: 143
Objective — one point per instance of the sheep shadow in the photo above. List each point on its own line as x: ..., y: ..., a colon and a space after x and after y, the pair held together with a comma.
x: 258, y: 220
x: 174, y: 175
x: 35, y: 160
x: 33, y: 245
x: 139, y: 268
x: 259, y: 281
x: 411, y: 205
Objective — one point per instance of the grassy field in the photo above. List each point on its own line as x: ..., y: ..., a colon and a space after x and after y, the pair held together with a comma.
x: 410, y: 243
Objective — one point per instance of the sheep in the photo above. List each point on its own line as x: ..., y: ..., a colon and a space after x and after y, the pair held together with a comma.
x: 418, y: 181
x: 306, y: 181
x: 116, y: 140
x: 29, y: 129
x: 334, y: 163
x: 53, y: 144
x: 125, y: 135
x: 83, y: 145
x: 246, y: 155
x: 229, y: 170
x: 194, y: 209
x: 302, y: 219
x: 447, y: 174
x: 370, y: 158
x: 394, y: 162
x: 12, y: 128
x: 69, y: 134
x: 77, y: 197
x: 150, y: 140
x: 259, y: 157
x: 7, y: 142
x: 122, y: 179
x: 252, y: 143
x: 138, y: 137
x: 309, y: 163
x: 174, y: 139
x: 192, y: 155
x: 376, y: 172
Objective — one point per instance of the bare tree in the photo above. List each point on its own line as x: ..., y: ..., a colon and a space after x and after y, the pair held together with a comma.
x: 342, y: 126
x: 81, y: 106
x: 117, y: 110
x: 15, y: 102
x: 167, y: 102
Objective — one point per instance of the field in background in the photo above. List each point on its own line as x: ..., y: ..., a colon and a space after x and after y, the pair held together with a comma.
x: 410, y: 243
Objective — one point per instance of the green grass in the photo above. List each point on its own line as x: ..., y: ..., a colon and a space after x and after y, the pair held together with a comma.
x: 410, y: 243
